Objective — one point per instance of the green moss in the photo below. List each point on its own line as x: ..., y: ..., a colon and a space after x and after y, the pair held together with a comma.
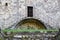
x: 28, y: 30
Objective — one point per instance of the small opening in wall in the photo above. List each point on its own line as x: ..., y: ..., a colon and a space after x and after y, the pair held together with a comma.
x: 6, y: 4
x: 30, y: 11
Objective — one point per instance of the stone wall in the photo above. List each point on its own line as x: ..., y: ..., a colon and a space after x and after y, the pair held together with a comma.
x: 47, y: 11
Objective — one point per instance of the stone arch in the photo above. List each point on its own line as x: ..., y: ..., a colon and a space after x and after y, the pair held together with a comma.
x: 31, y: 22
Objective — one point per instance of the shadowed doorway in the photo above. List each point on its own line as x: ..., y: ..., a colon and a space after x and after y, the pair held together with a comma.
x: 30, y: 23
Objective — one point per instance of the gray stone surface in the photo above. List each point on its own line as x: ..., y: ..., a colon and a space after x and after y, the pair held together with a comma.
x: 47, y: 11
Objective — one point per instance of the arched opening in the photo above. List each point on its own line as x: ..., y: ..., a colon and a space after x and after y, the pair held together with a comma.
x: 30, y: 23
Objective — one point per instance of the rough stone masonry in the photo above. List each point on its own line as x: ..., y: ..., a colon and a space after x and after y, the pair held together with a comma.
x: 48, y: 11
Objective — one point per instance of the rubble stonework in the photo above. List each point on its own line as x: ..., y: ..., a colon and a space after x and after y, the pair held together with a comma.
x: 48, y: 11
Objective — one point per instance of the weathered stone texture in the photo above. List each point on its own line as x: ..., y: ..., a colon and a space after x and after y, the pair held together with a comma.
x: 46, y: 10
